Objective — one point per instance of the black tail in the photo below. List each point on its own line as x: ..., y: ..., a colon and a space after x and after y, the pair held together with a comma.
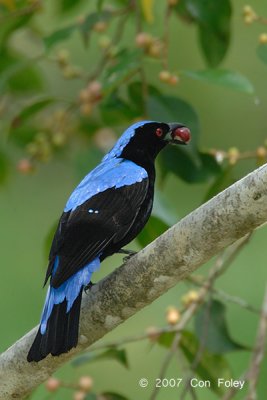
x: 61, y: 333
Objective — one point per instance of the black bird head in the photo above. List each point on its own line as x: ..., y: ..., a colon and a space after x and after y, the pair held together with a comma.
x: 144, y: 140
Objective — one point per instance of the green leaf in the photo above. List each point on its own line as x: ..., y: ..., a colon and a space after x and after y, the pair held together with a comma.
x: 29, y: 110
x: 84, y: 27
x: 91, y: 396
x: 110, y: 354
x: 4, y: 167
x: 147, y: 8
x: 126, y: 64
x: 59, y: 36
x: 262, y: 52
x: 92, y: 19
x: 210, y: 366
x: 99, y: 5
x: 135, y: 94
x: 222, y: 181
x: 154, y: 228
x: 114, y: 108
x: 212, y: 330
x: 213, y: 21
x: 222, y: 77
x: 200, y: 168
x: 18, y: 73
x: 68, y: 5
x: 112, y: 396
x: 23, y: 134
x: 27, y: 79
x: 163, y: 209
x: 10, y: 25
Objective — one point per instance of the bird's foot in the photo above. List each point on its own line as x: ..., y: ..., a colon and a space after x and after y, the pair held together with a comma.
x: 129, y: 254
x: 88, y: 287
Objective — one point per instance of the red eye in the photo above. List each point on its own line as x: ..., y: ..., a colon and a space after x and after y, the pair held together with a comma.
x: 159, y: 132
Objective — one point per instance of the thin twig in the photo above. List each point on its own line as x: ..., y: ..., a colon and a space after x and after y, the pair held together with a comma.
x: 258, y: 352
x: 225, y: 296
x: 166, y: 35
x: 124, y: 15
x: 21, y: 12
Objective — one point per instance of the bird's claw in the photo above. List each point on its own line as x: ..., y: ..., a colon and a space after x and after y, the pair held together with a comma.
x: 129, y: 254
x: 88, y: 287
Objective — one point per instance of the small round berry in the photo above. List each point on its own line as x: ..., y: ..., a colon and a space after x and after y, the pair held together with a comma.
x: 79, y: 395
x: 94, y: 88
x: 86, y: 109
x: 85, y: 383
x: 52, y: 384
x: 32, y: 148
x: 143, y: 39
x: 173, y: 315
x: 100, y: 26
x: 174, y: 79
x: 263, y: 38
x: 248, y: 10
x: 58, y: 139
x: 248, y: 19
x: 190, y: 297
x: 84, y: 96
x: 63, y: 57
x: 104, y: 138
x: 155, y: 49
x: 164, y: 76
x: 233, y: 155
x: 25, y: 166
x: 261, y: 152
x: 80, y: 19
x: 104, y: 42
x: 152, y: 333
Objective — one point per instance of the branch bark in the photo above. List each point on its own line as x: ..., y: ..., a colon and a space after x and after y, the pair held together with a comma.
x: 146, y: 276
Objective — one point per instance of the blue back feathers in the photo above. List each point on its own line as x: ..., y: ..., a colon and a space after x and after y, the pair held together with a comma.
x: 113, y: 171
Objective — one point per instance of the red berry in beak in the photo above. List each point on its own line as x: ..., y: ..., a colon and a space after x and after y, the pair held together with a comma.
x: 182, y: 133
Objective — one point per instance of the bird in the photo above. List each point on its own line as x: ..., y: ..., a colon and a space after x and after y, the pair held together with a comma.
x: 105, y: 212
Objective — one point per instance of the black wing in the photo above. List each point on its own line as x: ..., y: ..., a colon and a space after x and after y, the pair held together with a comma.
x: 86, y: 232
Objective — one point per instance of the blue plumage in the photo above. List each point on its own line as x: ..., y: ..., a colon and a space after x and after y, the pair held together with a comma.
x: 112, y: 172
x: 69, y: 290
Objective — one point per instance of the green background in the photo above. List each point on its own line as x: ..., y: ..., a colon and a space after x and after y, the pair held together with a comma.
x: 30, y: 206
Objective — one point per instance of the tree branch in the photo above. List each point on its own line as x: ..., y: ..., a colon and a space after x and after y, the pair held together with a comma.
x: 146, y: 276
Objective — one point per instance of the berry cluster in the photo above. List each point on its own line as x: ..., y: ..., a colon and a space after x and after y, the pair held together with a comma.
x: 152, y: 46
x: 89, y: 96
x: 51, y: 138
x: 82, y: 388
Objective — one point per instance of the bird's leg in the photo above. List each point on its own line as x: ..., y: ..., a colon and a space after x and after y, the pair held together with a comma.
x: 129, y: 254
x: 88, y: 287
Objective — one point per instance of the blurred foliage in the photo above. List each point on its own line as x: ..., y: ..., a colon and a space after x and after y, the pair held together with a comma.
x: 112, y: 91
